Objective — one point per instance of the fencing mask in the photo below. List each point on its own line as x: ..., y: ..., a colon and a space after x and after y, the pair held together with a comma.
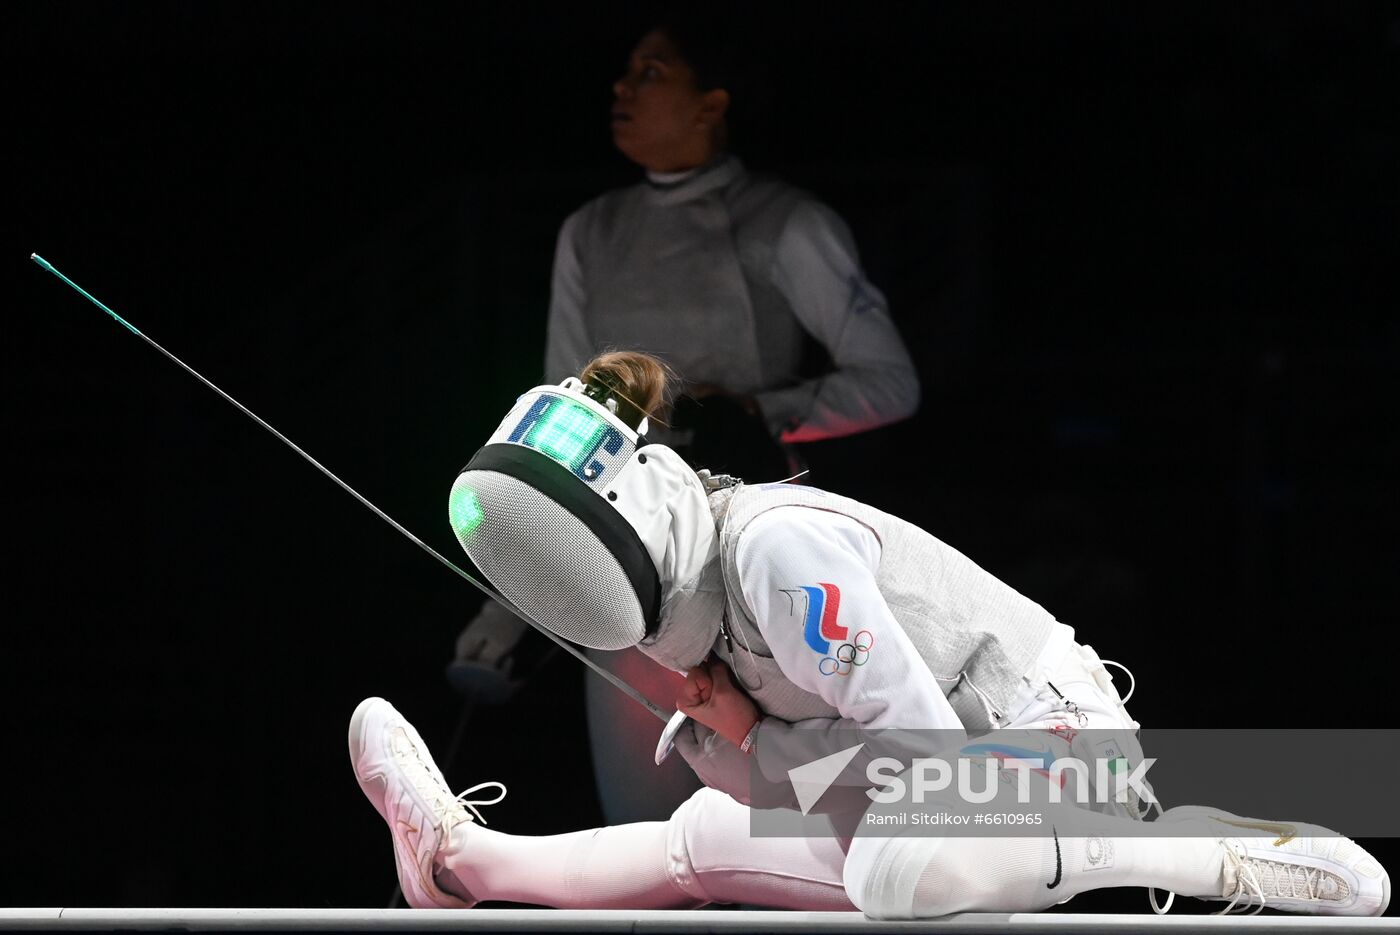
x: 579, y: 522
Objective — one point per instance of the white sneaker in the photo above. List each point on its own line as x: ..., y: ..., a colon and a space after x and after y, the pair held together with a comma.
x: 398, y: 776
x: 1291, y: 866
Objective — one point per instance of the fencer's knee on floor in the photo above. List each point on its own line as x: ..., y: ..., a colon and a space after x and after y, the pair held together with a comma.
x: 712, y: 856
x: 914, y: 877
x: 685, y: 823
x: 871, y: 875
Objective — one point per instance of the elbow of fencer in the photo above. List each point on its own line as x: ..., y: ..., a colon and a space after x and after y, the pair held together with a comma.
x: 902, y: 396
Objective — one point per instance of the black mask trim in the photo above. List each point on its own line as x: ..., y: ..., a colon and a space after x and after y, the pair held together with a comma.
x: 560, y: 484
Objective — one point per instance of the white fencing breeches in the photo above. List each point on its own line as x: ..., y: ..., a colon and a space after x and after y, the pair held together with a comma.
x: 908, y: 876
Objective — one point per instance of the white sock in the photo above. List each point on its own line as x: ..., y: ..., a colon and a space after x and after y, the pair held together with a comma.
x: 703, y: 854
x: 1188, y: 866
x: 621, y: 867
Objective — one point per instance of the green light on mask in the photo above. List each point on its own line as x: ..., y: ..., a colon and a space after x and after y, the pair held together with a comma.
x: 464, y: 511
x: 567, y: 433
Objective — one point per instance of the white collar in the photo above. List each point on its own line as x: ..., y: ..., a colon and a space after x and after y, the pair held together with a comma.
x: 675, y: 187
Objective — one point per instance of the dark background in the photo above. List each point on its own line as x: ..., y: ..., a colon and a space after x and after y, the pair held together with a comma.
x: 1144, y: 256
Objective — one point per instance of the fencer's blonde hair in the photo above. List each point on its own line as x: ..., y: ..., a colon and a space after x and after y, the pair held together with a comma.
x: 641, y: 385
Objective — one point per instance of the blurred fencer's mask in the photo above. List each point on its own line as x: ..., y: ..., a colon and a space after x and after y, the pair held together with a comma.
x: 579, y: 522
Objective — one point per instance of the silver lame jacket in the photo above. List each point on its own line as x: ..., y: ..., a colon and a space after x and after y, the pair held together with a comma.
x: 977, y: 635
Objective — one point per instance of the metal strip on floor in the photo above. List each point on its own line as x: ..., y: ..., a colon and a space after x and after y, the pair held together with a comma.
x: 663, y: 922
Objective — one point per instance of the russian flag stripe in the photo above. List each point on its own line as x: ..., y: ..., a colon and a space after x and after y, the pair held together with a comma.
x: 830, y: 628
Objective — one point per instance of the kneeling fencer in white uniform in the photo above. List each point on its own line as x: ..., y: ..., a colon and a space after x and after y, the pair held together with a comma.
x: 794, y: 613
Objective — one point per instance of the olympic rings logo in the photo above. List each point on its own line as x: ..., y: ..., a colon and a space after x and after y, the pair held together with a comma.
x: 847, y: 656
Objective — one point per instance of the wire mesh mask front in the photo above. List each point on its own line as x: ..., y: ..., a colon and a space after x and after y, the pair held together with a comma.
x: 546, y: 561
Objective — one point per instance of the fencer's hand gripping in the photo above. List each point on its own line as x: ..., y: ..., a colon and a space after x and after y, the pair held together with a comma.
x: 698, y: 693
x: 710, y: 696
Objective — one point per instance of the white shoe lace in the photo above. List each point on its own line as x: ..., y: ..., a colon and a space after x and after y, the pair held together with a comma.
x: 471, y: 804
x: 432, y: 789
x: 1285, y: 880
x: 1247, y: 882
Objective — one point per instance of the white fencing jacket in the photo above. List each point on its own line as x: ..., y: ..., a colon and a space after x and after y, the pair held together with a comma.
x: 719, y: 273
x: 834, y: 611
